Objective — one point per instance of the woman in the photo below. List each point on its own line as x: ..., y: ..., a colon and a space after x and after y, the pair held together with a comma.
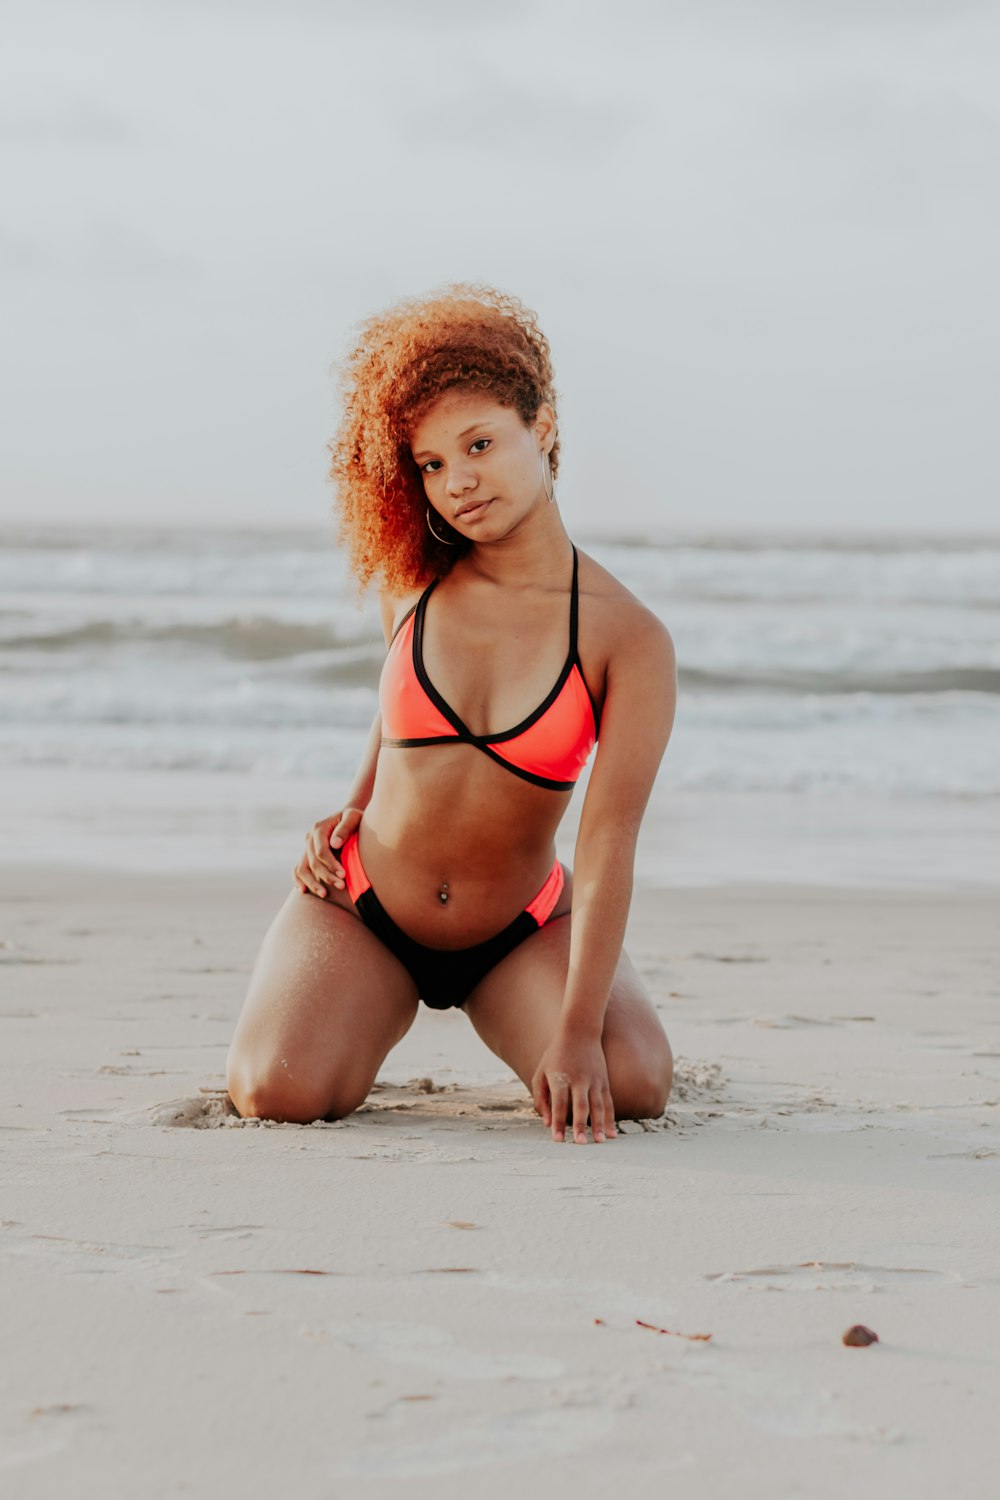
x: 437, y: 879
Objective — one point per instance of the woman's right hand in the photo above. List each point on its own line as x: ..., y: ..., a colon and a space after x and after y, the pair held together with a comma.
x: 319, y: 865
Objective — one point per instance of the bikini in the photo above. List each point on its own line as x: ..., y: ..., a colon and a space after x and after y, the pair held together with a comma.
x: 549, y: 748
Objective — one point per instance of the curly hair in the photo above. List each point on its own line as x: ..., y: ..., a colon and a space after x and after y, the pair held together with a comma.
x: 467, y: 336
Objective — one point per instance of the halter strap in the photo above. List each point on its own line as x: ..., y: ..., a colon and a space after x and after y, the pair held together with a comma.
x: 574, y: 608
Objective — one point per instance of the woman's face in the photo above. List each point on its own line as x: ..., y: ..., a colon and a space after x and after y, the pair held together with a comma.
x: 481, y: 466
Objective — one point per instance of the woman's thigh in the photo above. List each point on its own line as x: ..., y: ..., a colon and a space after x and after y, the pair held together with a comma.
x: 326, y: 1002
x: 516, y: 1010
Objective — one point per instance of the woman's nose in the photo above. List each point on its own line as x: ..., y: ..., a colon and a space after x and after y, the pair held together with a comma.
x: 459, y: 481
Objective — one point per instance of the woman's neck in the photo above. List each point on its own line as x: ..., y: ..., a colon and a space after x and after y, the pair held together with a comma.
x: 537, y: 551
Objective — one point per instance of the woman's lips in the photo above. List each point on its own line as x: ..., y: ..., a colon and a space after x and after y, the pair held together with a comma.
x: 469, y: 513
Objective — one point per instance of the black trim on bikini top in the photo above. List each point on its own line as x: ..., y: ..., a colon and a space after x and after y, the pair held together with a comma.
x: 484, y: 742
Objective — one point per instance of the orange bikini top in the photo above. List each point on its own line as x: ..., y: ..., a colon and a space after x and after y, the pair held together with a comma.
x: 549, y: 748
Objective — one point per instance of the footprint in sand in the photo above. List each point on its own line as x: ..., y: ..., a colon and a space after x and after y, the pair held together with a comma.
x: 513, y: 1438
x: 778, y: 1404
x: 837, y: 1276
x: 41, y: 1432
x: 435, y: 1350
x: 980, y: 1154
x: 87, y: 1257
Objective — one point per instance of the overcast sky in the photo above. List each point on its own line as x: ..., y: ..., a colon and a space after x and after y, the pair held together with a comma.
x: 762, y: 237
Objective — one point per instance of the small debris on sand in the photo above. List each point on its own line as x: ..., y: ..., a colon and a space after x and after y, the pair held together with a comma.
x: 698, y: 1338
x: 859, y: 1337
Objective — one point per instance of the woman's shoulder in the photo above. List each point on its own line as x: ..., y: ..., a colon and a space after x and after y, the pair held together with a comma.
x: 394, y: 605
x: 611, y: 612
x: 624, y: 645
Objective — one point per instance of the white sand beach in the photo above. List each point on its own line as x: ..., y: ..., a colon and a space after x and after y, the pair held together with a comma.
x: 432, y: 1294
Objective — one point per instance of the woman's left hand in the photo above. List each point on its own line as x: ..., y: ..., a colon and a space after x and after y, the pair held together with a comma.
x: 572, y: 1076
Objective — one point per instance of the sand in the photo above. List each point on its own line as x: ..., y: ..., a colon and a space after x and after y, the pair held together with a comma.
x: 432, y: 1297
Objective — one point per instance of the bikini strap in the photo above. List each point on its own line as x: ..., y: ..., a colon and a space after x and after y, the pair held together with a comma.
x: 574, y: 654
x: 574, y: 609
x: 414, y: 608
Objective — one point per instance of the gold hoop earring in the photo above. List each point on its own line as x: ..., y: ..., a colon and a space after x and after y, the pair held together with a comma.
x: 550, y: 491
x: 443, y: 539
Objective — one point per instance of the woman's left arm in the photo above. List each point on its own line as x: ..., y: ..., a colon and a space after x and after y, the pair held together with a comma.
x: 636, y: 720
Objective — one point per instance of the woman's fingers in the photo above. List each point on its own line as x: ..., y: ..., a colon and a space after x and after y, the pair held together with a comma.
x: 334, y: 837
x: 306, y: 880
x: 598, y: 1120
x: 320, y: 866
x: 338, y: 835
x: 559, y: 1101
x: 330, y: 871
x: 317, y: 875
x: 322, y: 861
x: 602, y: 1114
x: 319, y: 842
x: 580, y: 1112
x: 560, y: 1092
x: 344, y: 825
x: 540, y: 1097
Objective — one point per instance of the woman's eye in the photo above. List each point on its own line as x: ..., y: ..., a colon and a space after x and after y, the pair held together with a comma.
x: 434, y: 464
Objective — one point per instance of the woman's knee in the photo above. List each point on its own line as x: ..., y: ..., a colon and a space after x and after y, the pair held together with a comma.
x: 641, y: 1083
x: 271, y: 1092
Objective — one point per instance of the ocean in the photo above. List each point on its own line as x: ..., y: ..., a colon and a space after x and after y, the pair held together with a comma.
x: 817, y: 675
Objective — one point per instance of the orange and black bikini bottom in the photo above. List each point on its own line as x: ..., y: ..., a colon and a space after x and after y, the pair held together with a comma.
x: 445, y: 976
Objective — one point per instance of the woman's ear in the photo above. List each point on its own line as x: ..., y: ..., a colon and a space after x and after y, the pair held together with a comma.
x: 545, y: 425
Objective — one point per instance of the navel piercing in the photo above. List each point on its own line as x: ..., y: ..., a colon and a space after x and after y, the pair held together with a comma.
x: 443, y: 892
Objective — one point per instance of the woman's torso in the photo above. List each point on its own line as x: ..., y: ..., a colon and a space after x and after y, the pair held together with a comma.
x: 496, y: 678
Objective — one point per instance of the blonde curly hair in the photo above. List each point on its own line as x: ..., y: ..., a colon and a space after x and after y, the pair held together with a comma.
x: 465, y: 336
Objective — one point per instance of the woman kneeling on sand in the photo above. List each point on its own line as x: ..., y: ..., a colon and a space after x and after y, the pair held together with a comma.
x: 437, y: 880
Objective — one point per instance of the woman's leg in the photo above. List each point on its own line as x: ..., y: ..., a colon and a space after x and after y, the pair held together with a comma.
x: 326, y: 1002
x: 516, y: 1008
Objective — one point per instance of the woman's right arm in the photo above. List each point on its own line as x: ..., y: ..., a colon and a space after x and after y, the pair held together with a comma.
x: 319, y: 865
